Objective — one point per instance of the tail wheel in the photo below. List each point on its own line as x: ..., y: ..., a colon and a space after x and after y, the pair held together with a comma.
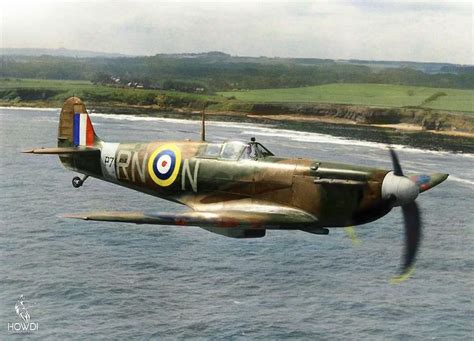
x: 77, y: 182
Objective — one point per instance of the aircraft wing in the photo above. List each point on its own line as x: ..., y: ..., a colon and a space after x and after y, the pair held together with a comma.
x: 231, y: 223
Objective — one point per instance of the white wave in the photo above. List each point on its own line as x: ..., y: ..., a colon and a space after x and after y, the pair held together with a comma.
x: 141, y: 118
x: 237, y: 125
x: 268, y: 130
x: 176, y: 120
x: 329, y: 139
x: 460, y: 180
x: 30, y: 108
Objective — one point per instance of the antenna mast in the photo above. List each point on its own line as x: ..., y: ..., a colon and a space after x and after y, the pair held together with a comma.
x: 203, y: 124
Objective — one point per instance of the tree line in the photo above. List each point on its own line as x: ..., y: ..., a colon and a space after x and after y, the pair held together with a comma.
x: 209, y: 73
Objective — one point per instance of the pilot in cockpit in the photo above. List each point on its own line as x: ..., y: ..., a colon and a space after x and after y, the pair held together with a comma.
x: 255, y: 150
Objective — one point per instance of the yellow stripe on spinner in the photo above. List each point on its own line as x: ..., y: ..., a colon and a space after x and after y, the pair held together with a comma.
x: 153, y: 170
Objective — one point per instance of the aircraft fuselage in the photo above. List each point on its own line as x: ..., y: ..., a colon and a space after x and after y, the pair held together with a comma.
x: 200, y: 173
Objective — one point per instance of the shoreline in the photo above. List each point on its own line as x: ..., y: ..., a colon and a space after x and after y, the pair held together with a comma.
x: 396, y: 133
x: 154, y: 110
x: 336, y: 120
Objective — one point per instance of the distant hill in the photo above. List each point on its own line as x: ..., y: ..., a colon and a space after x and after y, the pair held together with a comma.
x: 425, y: 67
x: 420, y: 66
x: 61, y: 52
x: 218, y: 71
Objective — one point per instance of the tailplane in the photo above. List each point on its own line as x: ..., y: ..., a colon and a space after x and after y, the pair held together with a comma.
x: 79, y: 148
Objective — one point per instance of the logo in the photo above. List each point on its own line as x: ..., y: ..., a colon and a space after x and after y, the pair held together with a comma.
x: 22, y: 312
x: 164, y: 164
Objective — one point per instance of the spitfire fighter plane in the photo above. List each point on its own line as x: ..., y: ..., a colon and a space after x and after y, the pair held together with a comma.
x: 239, y: 189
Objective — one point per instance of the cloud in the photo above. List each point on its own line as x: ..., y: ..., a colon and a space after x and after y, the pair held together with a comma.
x: 384, y: 30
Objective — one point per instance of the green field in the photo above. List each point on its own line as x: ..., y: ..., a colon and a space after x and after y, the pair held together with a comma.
x: 27, y: 90
x: 364, y: 94
x: 375, y: 95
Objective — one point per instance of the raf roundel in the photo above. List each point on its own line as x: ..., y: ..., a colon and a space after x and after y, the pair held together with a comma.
x: 164, y: 164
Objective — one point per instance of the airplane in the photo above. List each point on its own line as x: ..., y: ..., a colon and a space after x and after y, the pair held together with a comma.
x: 239, y: 189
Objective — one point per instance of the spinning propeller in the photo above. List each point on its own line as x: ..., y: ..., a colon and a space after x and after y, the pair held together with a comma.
x: 403, y: 191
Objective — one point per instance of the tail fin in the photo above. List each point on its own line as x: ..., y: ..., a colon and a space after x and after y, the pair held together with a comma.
x: 75, y: 126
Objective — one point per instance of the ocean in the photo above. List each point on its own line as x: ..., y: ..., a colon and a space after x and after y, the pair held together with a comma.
x: 93, y: 280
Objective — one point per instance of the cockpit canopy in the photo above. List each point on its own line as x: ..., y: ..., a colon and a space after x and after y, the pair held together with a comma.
x: 255, y: 151
x: 236, y: 150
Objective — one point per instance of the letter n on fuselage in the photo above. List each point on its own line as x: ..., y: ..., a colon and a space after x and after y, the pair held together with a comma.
x: 139, y: 165
x: 192, y: 176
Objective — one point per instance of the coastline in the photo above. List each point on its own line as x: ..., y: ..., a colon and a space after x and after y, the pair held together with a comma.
x: 336, y: 120
x: 392, y: 133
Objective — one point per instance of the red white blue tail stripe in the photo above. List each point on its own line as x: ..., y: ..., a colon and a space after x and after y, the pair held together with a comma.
x: 83, y: 132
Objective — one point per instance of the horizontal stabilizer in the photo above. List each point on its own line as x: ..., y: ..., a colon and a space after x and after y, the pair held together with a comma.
x: 63, y: 150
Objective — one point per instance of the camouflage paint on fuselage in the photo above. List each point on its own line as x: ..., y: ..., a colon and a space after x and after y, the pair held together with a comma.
x: 218, y: 176
x: 343, y: 195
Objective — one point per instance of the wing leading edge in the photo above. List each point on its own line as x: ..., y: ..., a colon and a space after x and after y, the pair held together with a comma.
x: 230, y: 223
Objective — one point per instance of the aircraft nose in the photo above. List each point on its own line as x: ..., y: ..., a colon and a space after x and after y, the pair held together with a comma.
x: 402, y: 188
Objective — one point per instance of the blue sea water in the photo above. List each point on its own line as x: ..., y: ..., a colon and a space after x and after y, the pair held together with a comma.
x: 92, y: 280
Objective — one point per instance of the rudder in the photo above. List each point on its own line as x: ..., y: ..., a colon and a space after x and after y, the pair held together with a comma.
x: 75, y: 126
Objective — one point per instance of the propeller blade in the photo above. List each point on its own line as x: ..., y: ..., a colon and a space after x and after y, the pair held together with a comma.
x: 397, y: 169
x: 351, y: 233
x: 412, y: 219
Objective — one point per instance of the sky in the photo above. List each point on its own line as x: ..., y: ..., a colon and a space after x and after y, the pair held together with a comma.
x: 427, y: 31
